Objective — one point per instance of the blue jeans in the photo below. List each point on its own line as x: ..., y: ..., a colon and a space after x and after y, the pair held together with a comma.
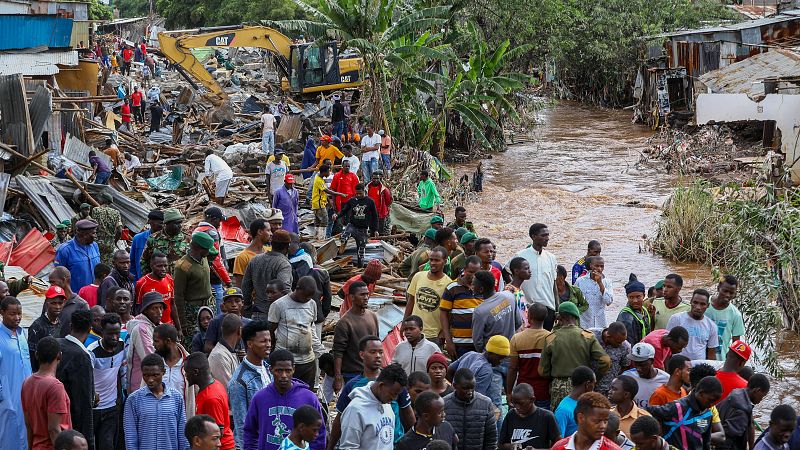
x: 367, y: 167
x: 102, y: 177
x: 387, y: 163
x: 338, y: 129
x: 268, y: 142
x: 218, y: 291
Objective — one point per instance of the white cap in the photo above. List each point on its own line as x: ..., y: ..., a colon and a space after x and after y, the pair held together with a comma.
x: 381, y: 132
x: 642, y: 352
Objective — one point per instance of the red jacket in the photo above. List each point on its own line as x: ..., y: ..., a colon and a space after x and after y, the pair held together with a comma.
x: 346, y: 184
x: 382, y: 197
x: 218, y: 266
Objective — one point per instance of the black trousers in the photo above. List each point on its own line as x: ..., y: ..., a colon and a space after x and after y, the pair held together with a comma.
x: 307, y: 373
x: 106, y: 427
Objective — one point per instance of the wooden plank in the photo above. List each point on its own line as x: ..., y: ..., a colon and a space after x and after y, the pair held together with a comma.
x: 15, y: 119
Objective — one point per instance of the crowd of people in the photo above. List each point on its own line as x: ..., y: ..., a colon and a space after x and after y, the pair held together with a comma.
x: 170, y: 344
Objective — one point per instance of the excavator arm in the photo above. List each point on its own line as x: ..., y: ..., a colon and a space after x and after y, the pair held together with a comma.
x: 177, y: 48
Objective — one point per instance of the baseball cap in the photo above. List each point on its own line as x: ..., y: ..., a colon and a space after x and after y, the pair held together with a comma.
x: 642, y: 352
x: 232, y: 292
x: 742, y: 349
x: 289, y: 178
x: 215, y: 213
x: 55, y: 291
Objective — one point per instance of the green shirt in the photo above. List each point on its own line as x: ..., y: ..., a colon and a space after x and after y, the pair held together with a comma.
x: 569, y: 347
x: 428, y: 195
x: 663, y: 313
x: 192, y: 283
x: 729, y: 323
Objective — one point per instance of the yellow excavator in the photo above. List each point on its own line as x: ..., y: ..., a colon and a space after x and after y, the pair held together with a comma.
x: 305, y: 68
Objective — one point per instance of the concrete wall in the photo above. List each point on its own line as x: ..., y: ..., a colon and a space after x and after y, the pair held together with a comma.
x: 783, y: 109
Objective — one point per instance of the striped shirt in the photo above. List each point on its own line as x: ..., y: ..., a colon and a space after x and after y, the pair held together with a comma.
x: 461, y: 302
x: 109, y: 368
x: 155, y: 423
x: 527, y: 345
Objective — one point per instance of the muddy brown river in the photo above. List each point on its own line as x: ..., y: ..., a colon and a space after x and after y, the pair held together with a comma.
x: 577, y: 176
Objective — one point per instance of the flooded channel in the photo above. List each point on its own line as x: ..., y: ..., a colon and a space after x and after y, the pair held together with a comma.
x: 578, y: 176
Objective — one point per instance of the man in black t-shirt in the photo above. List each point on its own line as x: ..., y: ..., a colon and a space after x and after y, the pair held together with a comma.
x: 430, y: 424
x: 363, y: 216
x: 526, y: 425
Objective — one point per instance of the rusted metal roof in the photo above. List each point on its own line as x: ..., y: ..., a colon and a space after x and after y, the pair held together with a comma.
x: 784, y: 16
x: 48, y: 202
x: 30, y: 64
x: 754, y: 11
x: 747, y: 76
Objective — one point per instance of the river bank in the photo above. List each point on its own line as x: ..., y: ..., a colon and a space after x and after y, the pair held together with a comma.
x: 578, y: 176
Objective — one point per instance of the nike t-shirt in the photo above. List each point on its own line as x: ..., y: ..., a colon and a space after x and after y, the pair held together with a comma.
x: 538, y: 430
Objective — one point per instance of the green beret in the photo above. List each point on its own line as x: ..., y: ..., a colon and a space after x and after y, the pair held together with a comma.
x: 203, y: 240
x: 436, y: 219
x: 86, y: 206
x: 468, y: 236
x: 172, y: 214
x: 107, y: 197
x: 430, y: 233
x: 660, y: 284
x: 61, y: 226
x: 66, y: 222
x: 569, y: 308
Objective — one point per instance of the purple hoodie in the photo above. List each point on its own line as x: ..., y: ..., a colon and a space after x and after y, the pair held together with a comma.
x: 269, y: 418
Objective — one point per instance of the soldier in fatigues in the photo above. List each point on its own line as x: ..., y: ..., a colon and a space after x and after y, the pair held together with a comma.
x: 109, y: 227
x: 566, y: 348
x: 84, y: 213
x: 193, y: 284
x: 62, y: 235
x: 170, y: 241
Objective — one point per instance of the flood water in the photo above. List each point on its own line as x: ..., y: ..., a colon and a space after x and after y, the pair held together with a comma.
x: 578, y: 176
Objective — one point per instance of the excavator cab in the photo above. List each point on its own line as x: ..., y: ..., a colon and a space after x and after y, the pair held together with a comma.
x: 316, y: 68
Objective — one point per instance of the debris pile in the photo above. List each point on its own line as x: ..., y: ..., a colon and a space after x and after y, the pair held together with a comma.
x: 708, y: 150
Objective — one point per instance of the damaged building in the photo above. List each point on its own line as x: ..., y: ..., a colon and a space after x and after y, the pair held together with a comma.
x: 665, y: 84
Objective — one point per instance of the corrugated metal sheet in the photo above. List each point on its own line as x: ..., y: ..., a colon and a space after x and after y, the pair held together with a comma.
x: 41, y: 107
x: 15, y: 120
x: 31, y: 64
x: 133, y: 212
x: 784, y: 16
x: 20, y: 31
x: 47, y: 200
x: 77, y: 10
x: 14, y: 7
x: 5, y: 178
x: 80, y: 33
x: 746, y: 77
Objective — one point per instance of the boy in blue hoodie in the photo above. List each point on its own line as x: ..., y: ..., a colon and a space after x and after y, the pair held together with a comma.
x: 269, y: 419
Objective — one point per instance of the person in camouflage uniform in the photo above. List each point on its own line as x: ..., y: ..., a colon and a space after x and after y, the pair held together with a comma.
x: 84, y: 213
x: 109, y: 227
x: 62, y: 235
x: 192, y: 278
x: 170, y: 241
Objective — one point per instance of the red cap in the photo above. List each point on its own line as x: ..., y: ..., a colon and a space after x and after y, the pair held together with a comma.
x: 325, y: 138
x: 289, y: 178
x: 55, y: 291
x: 742, y: 349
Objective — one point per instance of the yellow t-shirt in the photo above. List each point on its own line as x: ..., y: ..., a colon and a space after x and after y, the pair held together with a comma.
x: 243, y: 259
x: 319, y: 199
x: 329, y: 154
x: 427, y: 298
x: 284, y: 159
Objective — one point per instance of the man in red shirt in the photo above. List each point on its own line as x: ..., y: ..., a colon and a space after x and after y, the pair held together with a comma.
x: 44, y: 400
x: 371, y: 275
x: 382, y: 197
x: 136, y: 103
x: 738, y: 355
x: 591, y: 413
x: 158, y: 280
x: 344, y: 181
x: 127, y: 57
x: 125, y: 112
x: 667, y: 343
x: 212, y: 396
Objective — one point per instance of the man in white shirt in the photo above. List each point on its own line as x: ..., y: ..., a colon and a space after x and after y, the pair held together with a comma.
x: 347, y: 149
x: 370, y: 146
x: 131, y: 161
x: 276, y: 171
x: 703, y: 332
x: 541, y: 287
x: 268, y: 132
x: 217, y: 167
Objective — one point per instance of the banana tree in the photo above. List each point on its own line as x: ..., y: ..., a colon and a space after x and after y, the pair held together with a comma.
x: 478, y: 91
x: 372, y: 27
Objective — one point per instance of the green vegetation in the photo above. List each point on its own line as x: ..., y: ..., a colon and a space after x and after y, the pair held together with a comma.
x: 752, y: 233
x: 99, y: 11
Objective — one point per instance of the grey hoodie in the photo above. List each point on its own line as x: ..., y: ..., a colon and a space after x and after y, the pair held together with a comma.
x: 366, y: 422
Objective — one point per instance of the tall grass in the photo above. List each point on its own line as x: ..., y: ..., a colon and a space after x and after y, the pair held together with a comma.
x: 751, y: 232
